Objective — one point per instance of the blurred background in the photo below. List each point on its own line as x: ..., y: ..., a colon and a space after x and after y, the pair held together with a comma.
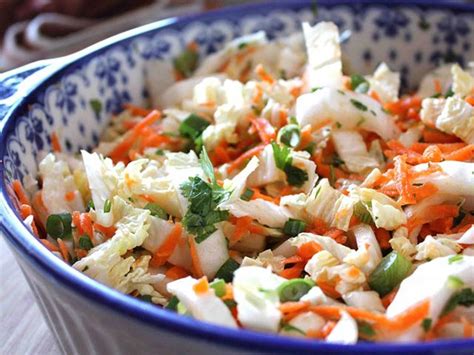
x: 38, y: 29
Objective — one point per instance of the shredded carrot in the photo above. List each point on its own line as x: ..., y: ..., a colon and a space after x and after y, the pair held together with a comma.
x: 328, y: 288
x: 176, y: 272
x: 388, y: 298
x: 20, y: 193
x: 229, y: 292
x: 293, y: 260
x: 241, y: 227
x: 437, y: 86
x: 383, y: 236
x: 167, y: 248
x: 76, y: 220
x: 49, y: 245
x: 136, y: 110
x: 403, y: 180
x: 196, y: 262
x: 293, y: 272
x: 69, y: 196
x: 265, y: 130
x: 431, y: 135
x: 264, y: 75
x: 373, y: 94
x: 55, y: 145
x: 337, y: 234
x: 293, y: 307
x: 463, y: 154
x: 108, y: 232
x: 237, y: 163
x: 86, y: 224
x: 468, y: 328
x: 470, y: 100
x: 433, y: 214
x: 63, y: 249
x: 26, y: 211
x: 307, y: 250
x: 306, y: 136
x: 410, y: 317
x: 202, y: 286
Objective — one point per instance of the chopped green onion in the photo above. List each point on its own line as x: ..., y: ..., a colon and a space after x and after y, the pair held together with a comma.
x: 85, y: 243
x: 426, y: 324
x: 59, y: 225
x: 455, y: 282
x: 358, y: 105
x: 293, y: 227
x: 242, y: 45
x: 156, y: 210
x: 159, y: 152
x: 219, y: 287
x: 362, y: 213
x: 316, y: 89
x: 181, y: 309
x: 293, y: 290
x: 247, y: 194
x: 226, y: 271
x: 193, y: 126
x: 295, y: 176
x: 393, y: 268
x: 90, y: 206
x: 290, y: 328
x: 359, y: 84
x: 290, y: 135
x: 449, y: 93
x: 186, y: 62
x: 107, y: 206
x: 172, y: 303
x: 145, y: 298
x: 455, y: 259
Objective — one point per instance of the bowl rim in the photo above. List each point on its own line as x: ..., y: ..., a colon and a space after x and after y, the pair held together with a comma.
x: 19, y: 236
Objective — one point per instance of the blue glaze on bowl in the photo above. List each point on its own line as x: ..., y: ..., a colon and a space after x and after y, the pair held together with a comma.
x: 77, y: 94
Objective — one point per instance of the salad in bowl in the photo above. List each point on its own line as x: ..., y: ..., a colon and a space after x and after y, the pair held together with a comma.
x: 266, y: 189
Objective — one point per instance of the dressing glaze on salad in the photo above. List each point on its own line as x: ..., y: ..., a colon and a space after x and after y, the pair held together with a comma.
x: 267, y: 190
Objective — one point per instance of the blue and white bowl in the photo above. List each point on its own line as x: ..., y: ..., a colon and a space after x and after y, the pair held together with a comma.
x: 76, y: 96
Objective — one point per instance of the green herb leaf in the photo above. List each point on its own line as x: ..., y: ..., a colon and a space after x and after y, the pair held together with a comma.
x: 290, y: 135
x: 85, y: 243
x: 293, y: 227
x: 290, y: 328
x: 362, y: 213
x: 366, y: 329
x: 193, y: 126
x: 172, y: 303
x: 389, y: 273
x: 145, y: 298
x: 156, y: 211
x: 283, y: 160
x: 186, y: 62
x: 455, y: 259
x: 465, y: 297
x: 247, y: 194
x: 59, y: 225
x: 295, y: 176
x: 359, y: 105
x: 226, y: 271
x: 426, y: 324
x: 96, y: 106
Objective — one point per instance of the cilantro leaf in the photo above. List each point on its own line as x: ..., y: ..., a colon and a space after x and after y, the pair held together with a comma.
x: 186, y: 62
x: 282, y: 155
x: 465, y: 297
x: 295, y: 176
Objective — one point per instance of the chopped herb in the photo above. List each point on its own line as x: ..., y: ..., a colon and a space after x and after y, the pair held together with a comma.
x: 360, y: 122
x: 282, y: 74
x: 146, y: 298
x: 247, y: 194
x: 202, y: 213
x: 159, y: 152
x: 293, y: 227
x: 230, y: 303
x: 465, y: 298
x: 156, y: 211
x: 426, y: 324
x: 59, y: 225
x: 358, y: 105
x: 338, y: 125
x: 90, y: 206
x: 186, y: 62
x: 282, y: 155
x: 435, y: 96
x: 310, y: 148
x: 107, y: 206
x: 316, y: 89
x: 455, y: 282
x: 242, y: 45
x: 341, y: 92
x: 96, y: 106
x: 449, y: 93
x: 337, y: 161
x: 366, y: 329
x: 85, y: 243
x: 172, y: 303
x: 226, y: 271
x: 373, y: 112
x: 290, y: 135
x: 359, y: 84
x: 219, y: 287
x: 193, y: 126
x: 455, y: 259
x: 290, y: 328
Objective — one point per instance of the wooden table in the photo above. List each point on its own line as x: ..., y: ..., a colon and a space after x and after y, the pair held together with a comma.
x: 22, y: 327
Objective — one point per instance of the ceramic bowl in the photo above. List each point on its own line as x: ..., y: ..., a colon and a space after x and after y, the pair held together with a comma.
x: 76, y: 95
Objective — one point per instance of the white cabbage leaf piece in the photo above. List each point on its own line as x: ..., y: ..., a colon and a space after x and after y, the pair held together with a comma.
x: 368, y: 245
x: 226, y: 117
x: 385, y: 212
x: 345, y: 331
x: 431, y: 282
x: 57, y: 181
x: 463, y: 81
x: 203, y: 306
x: 411, y: 136
x: 264, y: 212
x: 351, y: 148
x: 266, y: 259
x: 256, y: 295
x: 385, y: 83
x: 369, y: 300
x: 303, y: 323
x: 442, y: 75
x: 330, y: 205
x: 452, y: 115
x: 348, y: 110
x: 338, y: 251
x: 324, y: 55
x: 432, y: 248
x: 456, y: 178
x: 212, y: 253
